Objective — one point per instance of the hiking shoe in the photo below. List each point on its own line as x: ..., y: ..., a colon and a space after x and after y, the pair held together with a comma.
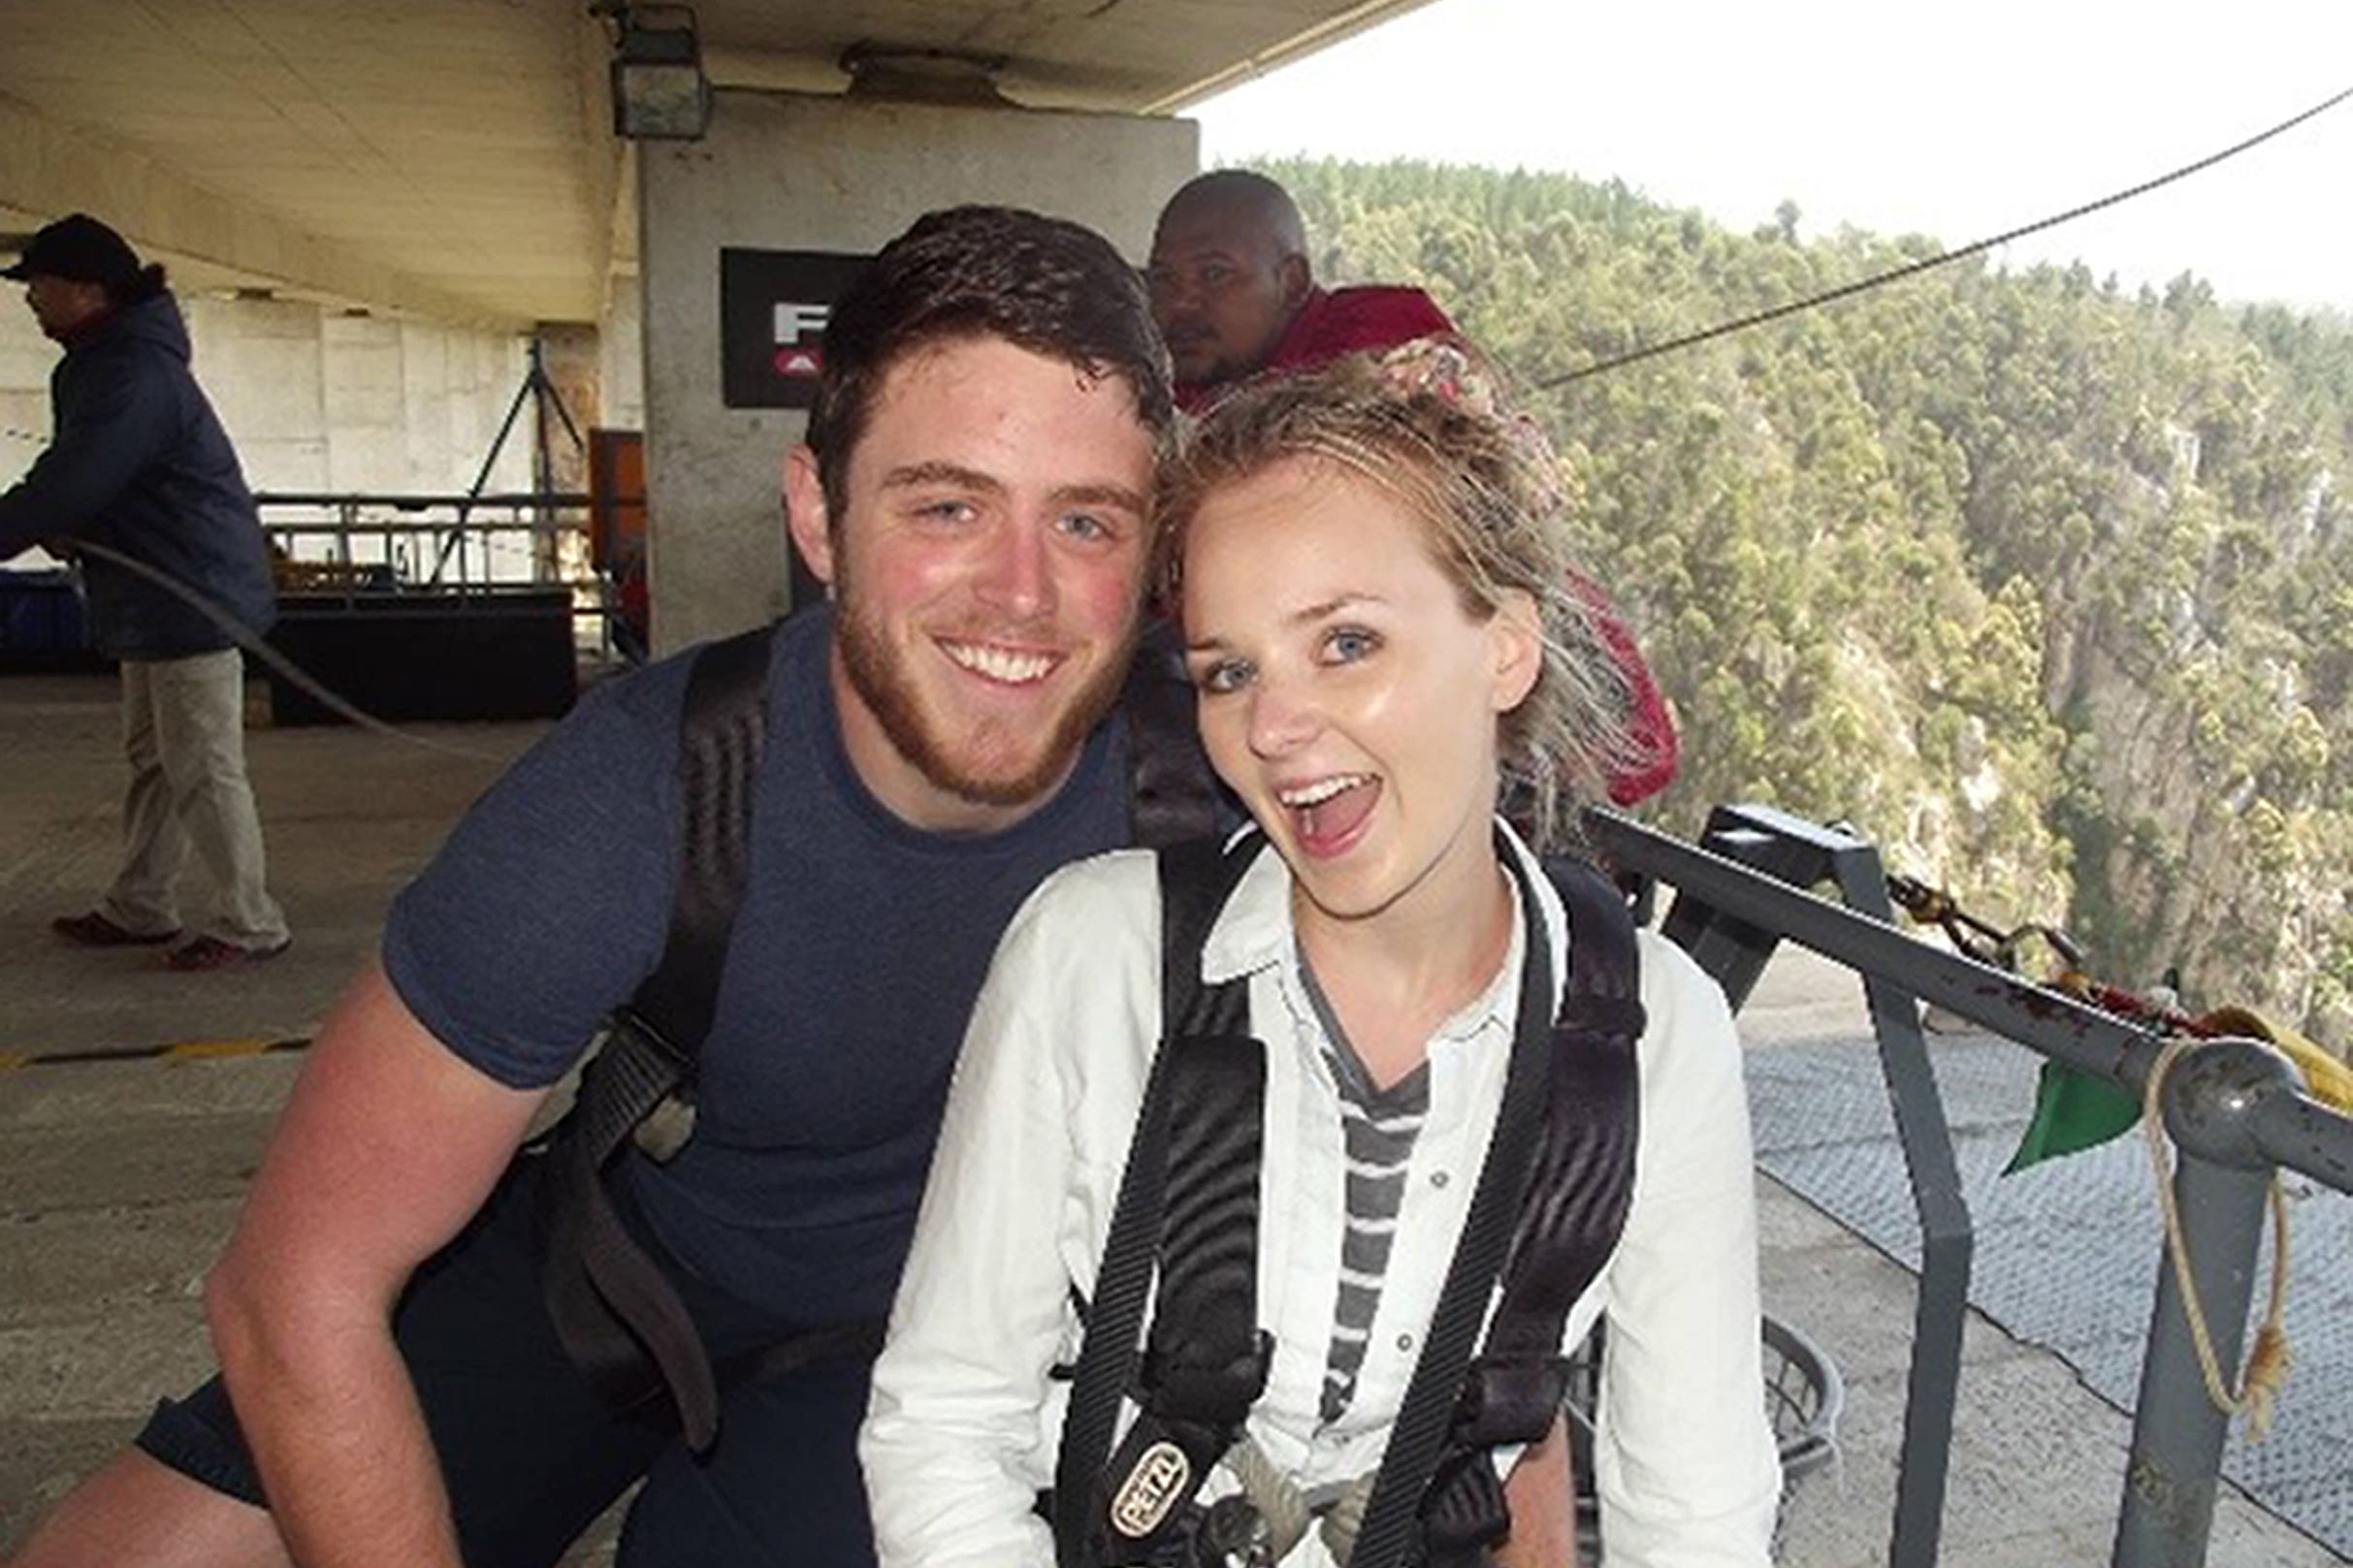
x: 95, y: 930
x: 200, y: 953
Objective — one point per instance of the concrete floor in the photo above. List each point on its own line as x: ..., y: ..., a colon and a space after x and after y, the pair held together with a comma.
x: 118, y: 1180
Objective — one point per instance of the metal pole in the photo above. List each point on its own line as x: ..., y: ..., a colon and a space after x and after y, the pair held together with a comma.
x: 1733, y: 951
x: 2211, y: 1102
x: 1948, y: 1237
x: 543, y: 470
x: 490, y: 460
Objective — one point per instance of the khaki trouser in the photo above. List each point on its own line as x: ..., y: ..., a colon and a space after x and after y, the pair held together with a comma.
x: 184, y: 729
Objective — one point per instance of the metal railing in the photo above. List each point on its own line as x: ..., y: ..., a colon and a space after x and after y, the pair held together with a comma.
x: 2235, y: 1108
x: 436, y: 541
x: 359, y: 544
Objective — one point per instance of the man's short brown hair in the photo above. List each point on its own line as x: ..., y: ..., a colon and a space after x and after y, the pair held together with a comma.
x: 1044, y: 284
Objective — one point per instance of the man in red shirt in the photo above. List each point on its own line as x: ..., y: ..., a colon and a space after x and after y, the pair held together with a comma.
x: 1235, y: 296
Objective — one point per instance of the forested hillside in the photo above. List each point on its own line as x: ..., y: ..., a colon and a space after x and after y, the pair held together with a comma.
x: 2045, y: 585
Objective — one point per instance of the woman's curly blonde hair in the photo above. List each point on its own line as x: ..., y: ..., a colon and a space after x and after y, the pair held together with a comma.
x: 1425, y: 426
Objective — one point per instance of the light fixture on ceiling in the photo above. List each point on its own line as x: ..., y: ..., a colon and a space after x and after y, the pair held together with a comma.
x: 658, y: 89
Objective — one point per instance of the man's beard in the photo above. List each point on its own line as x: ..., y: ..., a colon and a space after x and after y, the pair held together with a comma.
x: 877, y: 670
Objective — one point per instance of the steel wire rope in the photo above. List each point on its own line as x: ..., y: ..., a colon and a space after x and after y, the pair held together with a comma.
x: 251, y: 642
x: 220, y: 616
x: 1897, y: 274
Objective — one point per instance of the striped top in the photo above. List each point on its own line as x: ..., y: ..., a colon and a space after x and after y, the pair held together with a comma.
x: 1378, y: 1128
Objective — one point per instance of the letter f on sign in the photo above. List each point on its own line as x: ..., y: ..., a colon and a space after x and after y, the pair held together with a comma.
x: 794, y: 322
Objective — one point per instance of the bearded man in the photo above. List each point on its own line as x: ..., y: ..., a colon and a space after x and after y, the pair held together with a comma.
x: 975, y: 492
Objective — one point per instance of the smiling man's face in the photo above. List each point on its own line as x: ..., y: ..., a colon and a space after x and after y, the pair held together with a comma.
x: 986, y: 576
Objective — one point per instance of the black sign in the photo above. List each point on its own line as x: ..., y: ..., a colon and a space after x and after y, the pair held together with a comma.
x: 772, y: 311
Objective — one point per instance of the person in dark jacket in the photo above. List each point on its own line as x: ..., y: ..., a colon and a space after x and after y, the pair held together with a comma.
x: 139, y: 466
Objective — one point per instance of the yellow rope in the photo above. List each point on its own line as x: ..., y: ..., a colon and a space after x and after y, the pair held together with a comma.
x: 2326, y: 1077
x: 2267, y: 1364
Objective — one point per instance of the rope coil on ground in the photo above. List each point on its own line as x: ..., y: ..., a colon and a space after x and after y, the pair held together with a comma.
x: 2268, y: 1362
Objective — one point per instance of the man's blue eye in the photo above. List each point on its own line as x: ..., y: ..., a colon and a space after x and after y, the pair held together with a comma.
x: 1086, y: 525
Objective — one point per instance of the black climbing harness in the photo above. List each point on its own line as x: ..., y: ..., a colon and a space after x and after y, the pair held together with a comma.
x: 1551, y: 1202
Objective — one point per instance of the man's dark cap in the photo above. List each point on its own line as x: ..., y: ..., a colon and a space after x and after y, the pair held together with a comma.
x: 82, y: 249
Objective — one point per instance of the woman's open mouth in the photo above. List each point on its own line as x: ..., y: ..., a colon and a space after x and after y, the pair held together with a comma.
x: 1328, y: 815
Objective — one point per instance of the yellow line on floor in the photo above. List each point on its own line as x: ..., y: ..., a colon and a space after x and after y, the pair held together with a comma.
x: 192, y: 1050
x: 198, y: 1050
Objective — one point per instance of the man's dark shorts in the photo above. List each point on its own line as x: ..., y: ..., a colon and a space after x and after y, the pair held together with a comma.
x: 532, y: 1455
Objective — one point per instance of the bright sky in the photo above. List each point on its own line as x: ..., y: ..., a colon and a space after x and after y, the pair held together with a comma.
x: 1954, y: 120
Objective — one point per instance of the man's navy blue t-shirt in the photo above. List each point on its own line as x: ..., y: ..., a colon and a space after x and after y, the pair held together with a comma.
x: 858, y: 954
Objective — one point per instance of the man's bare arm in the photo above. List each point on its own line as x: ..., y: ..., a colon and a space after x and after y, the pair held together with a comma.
x: 388, y: 1146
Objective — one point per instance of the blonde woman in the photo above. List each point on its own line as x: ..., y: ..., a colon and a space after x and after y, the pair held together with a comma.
x: 1367, y: 570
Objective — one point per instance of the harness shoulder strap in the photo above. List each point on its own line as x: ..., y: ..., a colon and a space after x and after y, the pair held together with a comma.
x: 722, y: 736
x: 610, y: 1305
x: 1395, y: 1512
x: 1580, y: 1191
x: 1189, y: 1191
x: 1584, y: 1181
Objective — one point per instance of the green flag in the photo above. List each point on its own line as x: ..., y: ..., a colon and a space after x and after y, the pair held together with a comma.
x: 2073, y: 1110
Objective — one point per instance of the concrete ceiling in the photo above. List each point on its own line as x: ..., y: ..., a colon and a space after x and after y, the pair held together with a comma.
x: 453, y: 157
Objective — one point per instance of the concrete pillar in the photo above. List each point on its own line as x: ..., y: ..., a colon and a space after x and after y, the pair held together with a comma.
x: 573, y: 356
x: 794, y: 172
x: 620, y: 340
x: 433, y: 468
